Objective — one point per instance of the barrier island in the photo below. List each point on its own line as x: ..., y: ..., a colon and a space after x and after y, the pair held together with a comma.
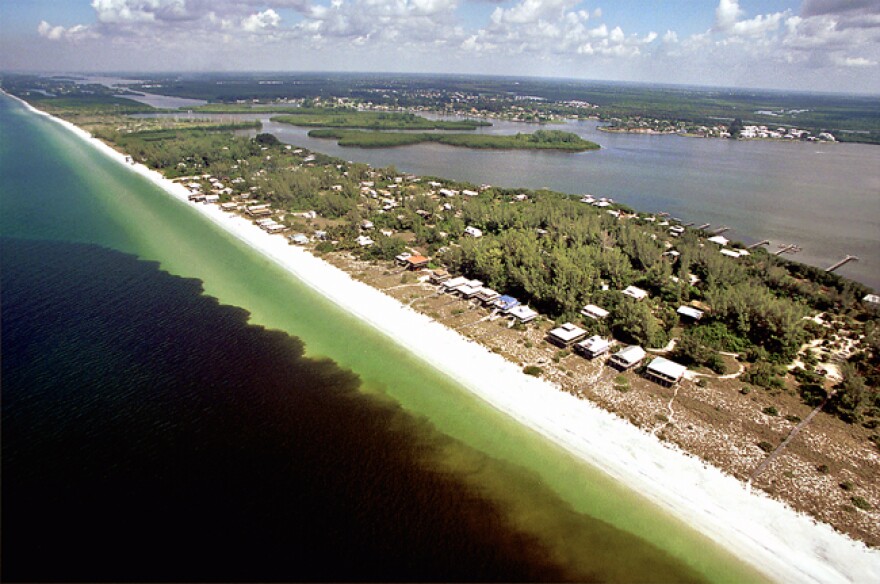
x: 540, y: 140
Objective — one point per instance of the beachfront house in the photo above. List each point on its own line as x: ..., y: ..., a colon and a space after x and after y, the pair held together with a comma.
x: 719, y: 239
x: 452, y: 284
x: 257, y: 210
x: 473, y: 232
x: 364, y: 241
x: 594, y: 312
x: 439, y: 276
x: 487, y: 296
x: 690, y: 313
x: 298, y: 239
x: 469, y: 290
x: 665, y: 372
x: 506, y: 303
x: 566, y: 335
x: 627, y: 358
x: 416, y: 262
x: 635, y: 293
x: 592, y: 347
x: 523, y: 313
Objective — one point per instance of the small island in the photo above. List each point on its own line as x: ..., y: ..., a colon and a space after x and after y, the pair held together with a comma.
x: 540, y: 140
x: 371, y: 120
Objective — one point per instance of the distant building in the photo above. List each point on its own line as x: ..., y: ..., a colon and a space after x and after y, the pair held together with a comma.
x: 473, y: 231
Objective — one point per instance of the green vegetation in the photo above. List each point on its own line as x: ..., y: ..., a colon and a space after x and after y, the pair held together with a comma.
x: 545, y: 248
x: 861, y: 503
x: 848, y: 117
x: 350, y: 118
x: 533, y: 370
x: 540, y: 140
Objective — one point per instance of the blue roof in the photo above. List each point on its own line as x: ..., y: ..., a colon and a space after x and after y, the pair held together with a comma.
x: 508, y: 301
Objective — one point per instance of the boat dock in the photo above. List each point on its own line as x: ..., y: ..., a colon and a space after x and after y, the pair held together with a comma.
x: 790, y: 248
x: 849, y: 258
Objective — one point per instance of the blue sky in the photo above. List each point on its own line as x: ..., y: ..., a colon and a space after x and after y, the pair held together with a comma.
x: 789, y: 44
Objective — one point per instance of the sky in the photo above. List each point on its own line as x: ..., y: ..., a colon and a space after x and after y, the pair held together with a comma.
x: 821, y: 45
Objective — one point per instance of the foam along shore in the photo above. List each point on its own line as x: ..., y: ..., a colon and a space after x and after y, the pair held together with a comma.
x: 780, y: 542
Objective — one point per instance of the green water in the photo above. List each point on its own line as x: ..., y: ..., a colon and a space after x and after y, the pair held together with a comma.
x: 67, y: 191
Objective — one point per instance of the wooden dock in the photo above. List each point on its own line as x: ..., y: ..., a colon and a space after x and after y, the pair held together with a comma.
x: 847, y: 259
x: 759, y: 244
x: 720, y: 230
x: 790, y: 248
x: 704, y: 225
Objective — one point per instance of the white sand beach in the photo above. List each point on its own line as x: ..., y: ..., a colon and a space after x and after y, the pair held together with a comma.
x: 785, y: 545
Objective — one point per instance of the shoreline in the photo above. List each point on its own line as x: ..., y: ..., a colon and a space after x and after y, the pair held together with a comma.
x: 763, y: 532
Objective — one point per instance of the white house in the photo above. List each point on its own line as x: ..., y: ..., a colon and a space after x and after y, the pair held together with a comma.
x: 593, y: 347
x: 523, y: 313
x: 566, y: 335
x: 628, y: 357
x: 636, y: 293
x: 664, y: 371
x: 690, y: 312
x: 473, y: 231
x: 594, y: 312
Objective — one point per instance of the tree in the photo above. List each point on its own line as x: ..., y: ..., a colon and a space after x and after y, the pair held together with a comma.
x: 735, y: 128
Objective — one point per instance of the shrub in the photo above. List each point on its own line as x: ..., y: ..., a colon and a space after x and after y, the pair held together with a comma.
x: 771, y: 411
x: 765, y: 446
x: 847, y: 485
x: 861, y: 503
x: 533, y: 370
x: 822, y: 468
x: 763, y: 375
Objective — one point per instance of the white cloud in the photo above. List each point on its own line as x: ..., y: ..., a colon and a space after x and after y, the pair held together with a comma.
x: 517, y: 36
x: 759, y: 25
x: 261, y: 21
x: 856, y: 62
x: 726, y: 14
x: 74, y: 33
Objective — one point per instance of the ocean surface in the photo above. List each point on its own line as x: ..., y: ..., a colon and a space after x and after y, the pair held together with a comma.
x: 176, y: 407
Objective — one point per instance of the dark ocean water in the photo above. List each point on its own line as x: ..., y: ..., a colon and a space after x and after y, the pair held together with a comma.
x: 150, y: 433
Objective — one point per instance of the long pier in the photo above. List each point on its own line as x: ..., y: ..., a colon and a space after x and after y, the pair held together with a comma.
x: 791, y: 248
x: 849, y: 258
x: 721, y: 230
x: 704, y: 225
x: 759, y: 244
